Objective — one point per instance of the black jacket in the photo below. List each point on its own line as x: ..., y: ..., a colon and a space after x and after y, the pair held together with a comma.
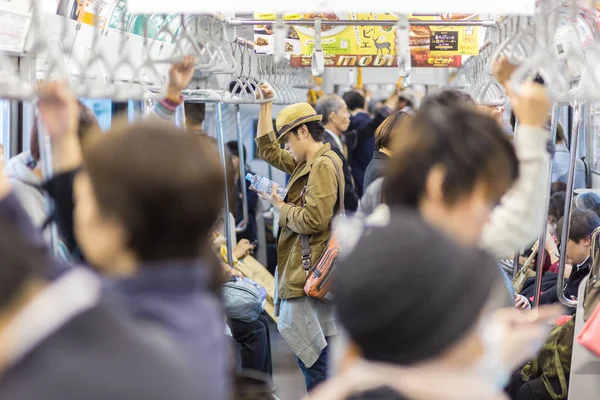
x: 571, y: 288
x: 97, y: 356
x: 350, y: 196
x: 376, y: 168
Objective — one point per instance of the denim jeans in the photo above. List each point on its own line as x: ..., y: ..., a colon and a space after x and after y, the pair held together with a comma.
x: 316, y: 374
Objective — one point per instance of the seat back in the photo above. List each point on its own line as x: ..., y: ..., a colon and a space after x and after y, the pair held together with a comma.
x: 584, y: 383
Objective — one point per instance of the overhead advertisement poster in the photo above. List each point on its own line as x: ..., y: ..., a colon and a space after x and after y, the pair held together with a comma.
x: 367, y: 46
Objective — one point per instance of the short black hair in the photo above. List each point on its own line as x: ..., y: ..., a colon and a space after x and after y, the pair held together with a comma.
x: 447, y: 97
x: 583, y: 223
x: 408, y: 101
x: 234, y: 150
x: 556, y: 209
x: 471, y: 146
x: 195, y: 112
x: 558, y: 187
x: 316, y: 129
x: 354, y: 100
x: 21, y: 262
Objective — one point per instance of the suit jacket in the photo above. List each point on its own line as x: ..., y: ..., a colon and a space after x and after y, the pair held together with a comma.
x: 97, y: 355
x: 376, y: 168
x: 350, y: 196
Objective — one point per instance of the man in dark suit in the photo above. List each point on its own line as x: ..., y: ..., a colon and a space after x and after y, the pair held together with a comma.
x: 61, y: 340
x: 336, y: 120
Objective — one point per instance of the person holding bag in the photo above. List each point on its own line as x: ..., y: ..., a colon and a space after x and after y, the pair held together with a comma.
x: 306, y: 323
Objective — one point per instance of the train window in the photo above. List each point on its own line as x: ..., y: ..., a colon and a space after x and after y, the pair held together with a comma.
x: 103, y: 110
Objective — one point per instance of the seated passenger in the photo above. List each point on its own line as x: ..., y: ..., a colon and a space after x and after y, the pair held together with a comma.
x: 64, y: 339
x: 145, y: 202
x: 556, y: 210
x: 25, y: 174
x: 587, y: 201
x: 579, y: 247
x: 384, y: 137
x: 446, y: 347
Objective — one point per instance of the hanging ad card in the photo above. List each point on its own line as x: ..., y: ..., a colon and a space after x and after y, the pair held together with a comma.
x: 366, y: 46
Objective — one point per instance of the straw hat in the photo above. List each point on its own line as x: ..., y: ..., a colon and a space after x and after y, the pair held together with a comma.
x: 293, y: 116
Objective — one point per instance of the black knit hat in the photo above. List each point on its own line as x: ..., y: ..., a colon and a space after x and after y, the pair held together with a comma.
x: 407, y: 292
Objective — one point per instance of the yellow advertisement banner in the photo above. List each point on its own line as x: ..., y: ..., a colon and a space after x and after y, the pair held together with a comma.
x: 371, y: 46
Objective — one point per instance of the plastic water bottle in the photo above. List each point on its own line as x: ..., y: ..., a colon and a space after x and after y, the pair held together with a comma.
x: 265, y: 185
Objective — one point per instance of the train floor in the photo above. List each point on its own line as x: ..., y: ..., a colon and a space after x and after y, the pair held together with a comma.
x: 288, y: 378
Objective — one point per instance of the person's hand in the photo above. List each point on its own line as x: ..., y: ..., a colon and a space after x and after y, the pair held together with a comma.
x: 272, y: 198
x: 503, y: 69
x: 59, y: 109
x: 266, y: 89
x: 229, y: 272
x: 531, y: 105
x: 521, y: 302
x: 180, y: 76
x: 523, y: 332
x: 242, y: 249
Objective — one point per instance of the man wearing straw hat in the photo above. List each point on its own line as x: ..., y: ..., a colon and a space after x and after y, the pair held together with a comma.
x: 311, y: 203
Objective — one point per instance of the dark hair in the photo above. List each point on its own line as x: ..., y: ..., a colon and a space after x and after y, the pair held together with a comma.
x: 556, y: 208
x: 408, y: 101
x: 234, y: 149
x: 195, y: 112
x: 557, y: 187
x: 448, y: 98
x: 166, y: 188
x: 560, y: 134
x: 317, y: 131
x: 21, y: 261
x: 88, y: 125
x: 582, y: 224
x: 587, y: 201
x: 389, y: 129
x: 354, y: 100
x: 382, y: 393
x: 468, y: 144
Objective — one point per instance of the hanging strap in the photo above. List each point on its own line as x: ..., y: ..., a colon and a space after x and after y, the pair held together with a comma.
x: 305, y: 239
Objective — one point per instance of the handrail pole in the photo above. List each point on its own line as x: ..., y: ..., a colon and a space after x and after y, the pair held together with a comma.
x: 221, y: 143
x: 238, y: 122
x: 567, y: 215
x: 542, y: 242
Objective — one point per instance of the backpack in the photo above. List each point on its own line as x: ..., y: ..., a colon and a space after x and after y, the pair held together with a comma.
x: 318, y: 276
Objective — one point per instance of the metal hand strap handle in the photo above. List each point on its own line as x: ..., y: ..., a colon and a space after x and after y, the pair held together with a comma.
x: 567, y: 214
x: 262, y: 79
x: 148, y: 63
x: 542, y: 240
x: 228, y: 62
x: 259, y: 98
x: 240, y: 93
x: 36, y: 30
x: 318, y: 58
x: 178, y: 51
x: 125, y: 91
x: 211, y: 52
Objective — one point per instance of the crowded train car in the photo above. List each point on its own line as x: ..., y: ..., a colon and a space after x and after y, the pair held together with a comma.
x: 331, y: 200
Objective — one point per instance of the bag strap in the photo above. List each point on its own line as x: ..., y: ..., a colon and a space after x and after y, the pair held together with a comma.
x: 305, y: 239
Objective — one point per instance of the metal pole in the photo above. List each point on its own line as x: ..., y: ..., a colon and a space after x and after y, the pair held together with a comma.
x: 542, y: 241
x: 221, y: 143
x: 238, y: 122
x: 567, y: 215
x: 46, y: 161
x: 338, y: 22
x: 516, y: 264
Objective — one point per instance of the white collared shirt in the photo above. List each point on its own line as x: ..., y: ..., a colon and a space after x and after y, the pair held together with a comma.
x: 336, y: 139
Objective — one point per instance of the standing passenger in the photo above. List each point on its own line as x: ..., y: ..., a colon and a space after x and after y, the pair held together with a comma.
x: 311, y: 202
x: 145, y: 203
x: 360, y: 156
x: 336, y: 120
